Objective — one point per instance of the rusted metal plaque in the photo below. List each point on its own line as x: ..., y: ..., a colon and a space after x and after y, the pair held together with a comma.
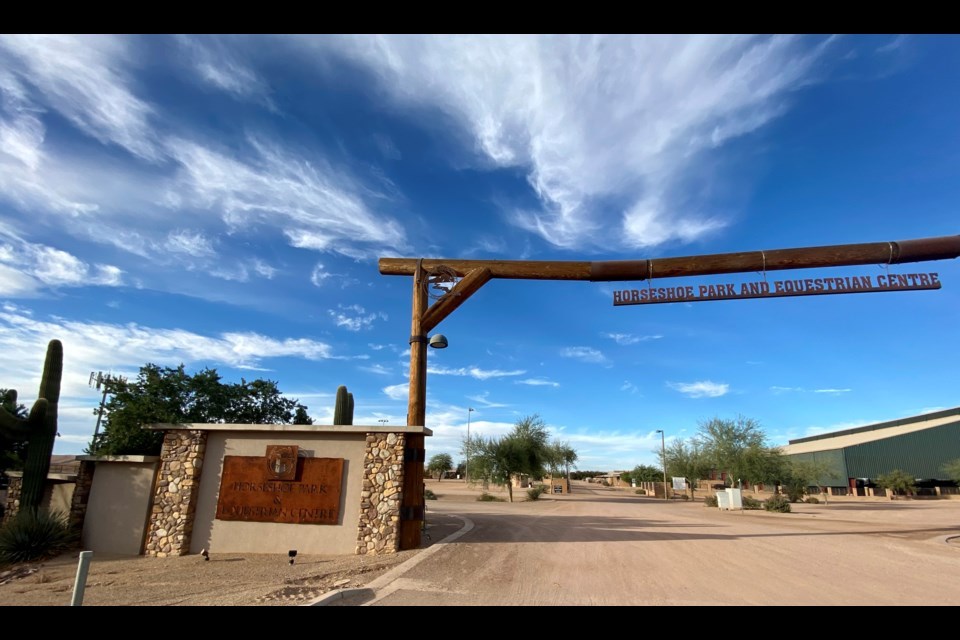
x: 249, y: 493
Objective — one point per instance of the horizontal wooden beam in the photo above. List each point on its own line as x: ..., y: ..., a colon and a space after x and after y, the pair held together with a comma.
x: 449, y: 303
x: 899, y: 252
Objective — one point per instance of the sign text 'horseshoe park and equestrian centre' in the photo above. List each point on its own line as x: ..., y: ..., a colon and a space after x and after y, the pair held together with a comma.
x: 778, y: 289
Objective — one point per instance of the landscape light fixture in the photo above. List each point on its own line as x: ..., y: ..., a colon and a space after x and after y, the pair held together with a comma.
x: 438, y: 341
x: 205, y: 554
x: 293, y: 554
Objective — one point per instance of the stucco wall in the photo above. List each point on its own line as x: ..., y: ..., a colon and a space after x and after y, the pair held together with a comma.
x: 221, y: 536
x: 120, y: 500
x: 57, y: 496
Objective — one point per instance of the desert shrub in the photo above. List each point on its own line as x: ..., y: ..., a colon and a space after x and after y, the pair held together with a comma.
x: 684, y: 496
x: 777, y: 504
x: 534, y: 493
x: 751, y: 504
x: 429, y: 495
x: 794, y: 493
x: 710, y: 501
x: 34, y: 535
x: 487, y: 497
x: 812, y: 500
x: 641, y: 492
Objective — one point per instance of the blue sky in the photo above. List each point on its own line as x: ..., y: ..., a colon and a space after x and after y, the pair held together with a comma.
x: 222, y: 202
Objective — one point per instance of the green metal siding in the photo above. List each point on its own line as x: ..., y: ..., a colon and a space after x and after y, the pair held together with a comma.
x: 921, y: 453
x: 834, y: 463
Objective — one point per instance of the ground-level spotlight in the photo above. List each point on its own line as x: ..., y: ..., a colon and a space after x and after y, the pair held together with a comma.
x: 205, y: 554
x: 292, y: 554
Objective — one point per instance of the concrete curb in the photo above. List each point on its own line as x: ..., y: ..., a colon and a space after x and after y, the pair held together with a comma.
x: 387, y: 578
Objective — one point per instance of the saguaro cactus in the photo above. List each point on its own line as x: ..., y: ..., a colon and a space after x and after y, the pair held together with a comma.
x: 343, y: 409
x: 39, y: 429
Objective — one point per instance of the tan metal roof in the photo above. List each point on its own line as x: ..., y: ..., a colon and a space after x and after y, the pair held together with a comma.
x: 847, y: 439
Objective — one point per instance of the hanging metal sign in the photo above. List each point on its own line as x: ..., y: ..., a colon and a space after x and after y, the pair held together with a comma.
x: 778, y: 289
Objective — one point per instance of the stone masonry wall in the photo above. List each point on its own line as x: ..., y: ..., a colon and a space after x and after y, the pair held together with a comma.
x: 81, y: 494
x: 13, y: 497
x: 380, y: 496
x: 175, y: 494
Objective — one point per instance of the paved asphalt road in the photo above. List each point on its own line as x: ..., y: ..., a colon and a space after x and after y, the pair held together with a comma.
x: 607, y: 547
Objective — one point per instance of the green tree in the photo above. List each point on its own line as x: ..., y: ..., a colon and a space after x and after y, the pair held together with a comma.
x: 440, y: 464
x: 898, y: 481
x: 560, y: 456
x: 171, y: 395
x: 688, y: 460
x: 13, y: 453
x: 799, y: 475
x: 643, y: 473
x: 523, y: 450
x: 739, y: 448
x: 953, y: 470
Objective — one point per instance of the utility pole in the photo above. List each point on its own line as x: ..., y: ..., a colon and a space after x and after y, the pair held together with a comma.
x: 98, y: 380
x: 467, y: 474
x: 663, y: 461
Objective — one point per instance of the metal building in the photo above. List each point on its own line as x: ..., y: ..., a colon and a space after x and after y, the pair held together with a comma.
x: 921, y: 445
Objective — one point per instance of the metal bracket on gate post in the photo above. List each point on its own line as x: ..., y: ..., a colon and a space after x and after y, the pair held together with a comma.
x: 412, y: 513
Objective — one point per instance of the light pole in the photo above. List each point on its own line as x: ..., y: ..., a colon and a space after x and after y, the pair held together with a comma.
x: 383, y: 421
x: 467, y: 474
x: 663, y: 460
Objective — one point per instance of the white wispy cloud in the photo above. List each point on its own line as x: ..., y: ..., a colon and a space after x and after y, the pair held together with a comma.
x: 538, y: 382
x: 833, y: 392
x: 584, y: 354
x: 191, y: 243
x: 473, y: 372
x: 319, y: 275
x: 397, y: 391
x: 378, y: 369
x: 218, y: 64
x: 594, y: 118
x: 264, y: 269
x: 629, y: 387
x: 317, y: 206
x: 701, y: 389
x: 485, y: 403
x: 629, y: 338
x: 122, y: 349
x: 26, y: 268
x: 354, y: 317
x: 86, y: 79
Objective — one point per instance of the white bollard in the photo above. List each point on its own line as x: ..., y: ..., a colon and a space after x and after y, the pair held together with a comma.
x: 81, y: 582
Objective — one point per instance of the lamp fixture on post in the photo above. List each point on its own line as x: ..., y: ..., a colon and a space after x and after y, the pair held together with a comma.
x: 438, y: 341
x: 663, y: 461
x: 467, y: 474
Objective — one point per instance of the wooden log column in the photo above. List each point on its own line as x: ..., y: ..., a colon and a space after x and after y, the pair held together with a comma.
x: 411, y: 502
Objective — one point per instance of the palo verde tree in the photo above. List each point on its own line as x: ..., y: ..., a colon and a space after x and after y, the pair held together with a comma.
x: 560, y: 456
x: 952, y: 469
x: 644, y: 473
x: 739, y: 448
x: 898, y: 481
x: 171, y: 395
x: 798, y: 476
x: 440, y: 464
x: 688, y: 459
x: 522, y: 451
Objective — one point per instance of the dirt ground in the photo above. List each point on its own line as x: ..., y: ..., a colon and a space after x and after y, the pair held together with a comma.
x: 231, y: 579
x: 595, y: 546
